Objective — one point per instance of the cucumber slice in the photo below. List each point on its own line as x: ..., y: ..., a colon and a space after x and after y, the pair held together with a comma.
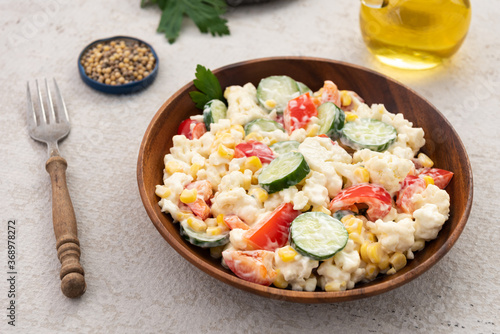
x: 284, y: 171
x: 275, y: 91
x: 368, y: 133
x: 203, y: 240
x: 332, y: 120
x: 286, y: 146
x: 303, y: 88
x: 318, y: 235
x: 213, y: 111
x: 262, y: 124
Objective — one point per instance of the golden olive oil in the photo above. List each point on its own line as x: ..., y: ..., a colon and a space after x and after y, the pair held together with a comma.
x: 415, y: 34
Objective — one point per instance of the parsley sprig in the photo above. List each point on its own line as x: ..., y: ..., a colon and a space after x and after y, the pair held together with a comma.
x: 208, y: 86
x: 206, y: 14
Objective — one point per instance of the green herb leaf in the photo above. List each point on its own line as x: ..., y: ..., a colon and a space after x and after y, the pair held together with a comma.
x: 209, y: 87
x: 206, y: 14
x: 171, y: 20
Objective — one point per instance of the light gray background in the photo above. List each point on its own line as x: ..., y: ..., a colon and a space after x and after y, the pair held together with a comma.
x: 136, y: 282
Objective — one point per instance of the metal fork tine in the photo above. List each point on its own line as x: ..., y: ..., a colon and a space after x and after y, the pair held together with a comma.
x: 61, y: 105
x: 30, y: 112
x: 40, y: 103
x: 50, y: 105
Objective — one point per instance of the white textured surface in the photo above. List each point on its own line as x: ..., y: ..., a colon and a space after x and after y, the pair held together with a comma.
x: 136, y: 282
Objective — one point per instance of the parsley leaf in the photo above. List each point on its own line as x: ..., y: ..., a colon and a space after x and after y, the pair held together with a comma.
x: 206, y: 14
x: 209, y: 87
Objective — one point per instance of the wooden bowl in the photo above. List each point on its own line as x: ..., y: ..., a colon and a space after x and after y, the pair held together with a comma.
x: 443, y: 146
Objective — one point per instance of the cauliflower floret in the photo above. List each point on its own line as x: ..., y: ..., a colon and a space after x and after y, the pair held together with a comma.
x: 296, y: 272
x: 242, y: 104
x: 385, y: 168
x: 272, y: 136
x: 215, y: 159
x: 236, y: 201
x: 320, y: 154
x: 170, y: 207
x: 298, y: 135
x: 237, y: 239
x: 287, y: 195
x: 433, y: 195
x: 236, y: 164
x: 173, y: 165
x: 234, y: 180
x: 176, y: 183
x: 342, y: 271
x: 315, y: 190
x: 222, y: 125
x: 394, y: 236
x: 213, y: 174
x: 428, y: 222
x: 346, y: 171
x: 183, y: 148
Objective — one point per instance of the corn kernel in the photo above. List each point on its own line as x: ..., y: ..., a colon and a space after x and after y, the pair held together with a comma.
x: 353, y: 225
x: 216, y: 252
x: 214, y: 230
x: 362, y: 175
x: 221, y: 133
x: 375, y: 252
x: 238, y: 128
x: 371, y: 271
x: 356, y: 238
x: 254, y: 136
x: 418, y: 245
x: 303, y: 182
x: 335, y: 286
x: 287, y: 254
x: 321, y: 208
x: 391, y: 271
x: 225, y: 152
x: 255, y: 179
x: 371, y: 237
x: 350, y: 116
x: 253, y: 163
x: 306, y: 208
x: 182, y: 215
x: 363, y: 252
x: 211, y: 222
x: 193, y: 170
x: 188, y: 196
x: 260, y: 194
x: 345, y: 97
x: 162, y: 191
x: 196, y: 224
x: 346, y: 218
x: 384, y: 262
x: 428, y: 180
x: 247, y: 182
x: 271, y: 104
x: 312, y: 130
x: 220, y: 219
x: 228, y: 140
x: 424, y: 160
x: 279, y: 281
x: 398, y: 261
x: 173, y: 166
x: 272, y: 141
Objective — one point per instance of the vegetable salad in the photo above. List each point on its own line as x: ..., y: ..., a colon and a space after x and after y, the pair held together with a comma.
x: 303, y: 190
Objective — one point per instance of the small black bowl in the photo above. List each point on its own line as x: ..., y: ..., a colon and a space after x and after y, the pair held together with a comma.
x: 127, y: 88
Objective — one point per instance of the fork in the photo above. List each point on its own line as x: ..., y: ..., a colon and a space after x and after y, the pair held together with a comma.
x: 50, y: 126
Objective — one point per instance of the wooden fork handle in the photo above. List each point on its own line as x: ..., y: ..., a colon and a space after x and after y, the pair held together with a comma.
x: 63, y: 216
